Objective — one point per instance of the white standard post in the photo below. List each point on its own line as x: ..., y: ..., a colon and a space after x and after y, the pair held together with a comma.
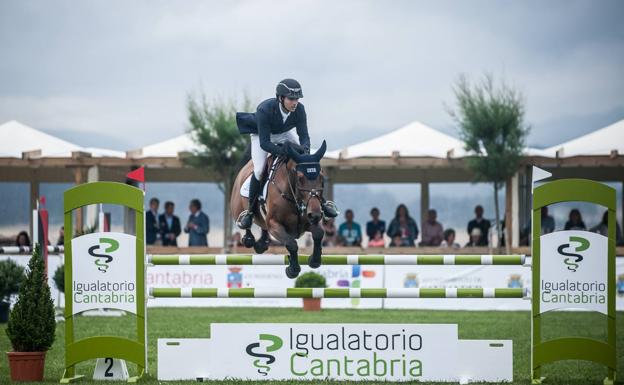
x: 100, y: 219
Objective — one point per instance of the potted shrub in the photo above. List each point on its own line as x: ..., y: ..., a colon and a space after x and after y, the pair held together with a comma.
x: 311, y: 280
x: 59, y: 278
x: 31, y: 325
x: 11, y: 276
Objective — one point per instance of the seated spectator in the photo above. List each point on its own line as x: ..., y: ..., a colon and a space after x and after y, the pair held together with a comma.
x: 482, y: 224
x: 61, y: 239
x: 198, y: 225
x: 575, y: 221
x: 349, y: 233
x: 432, y: 230
x: 169, y: 226
x: 449, y: 239
x: 375, y: 225
x: 397, y: 241
x: 603, y: 229
x: 331, y: 236
x: 475, y: 238
x: 548, y: 222
x: 151, y: 222
x: 377, y: 240
x: 404, y: 226
x: 22, y: 239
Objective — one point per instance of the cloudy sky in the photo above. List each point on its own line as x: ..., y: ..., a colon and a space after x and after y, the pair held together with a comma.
x: 117, y: 73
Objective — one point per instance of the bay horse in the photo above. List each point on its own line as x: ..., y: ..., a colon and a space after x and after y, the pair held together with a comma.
x: 292, y: 206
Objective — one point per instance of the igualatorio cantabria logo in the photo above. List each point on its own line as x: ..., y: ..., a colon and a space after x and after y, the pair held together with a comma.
x: 102, y: 261
x: 573, y: 258
x: 263, y: 359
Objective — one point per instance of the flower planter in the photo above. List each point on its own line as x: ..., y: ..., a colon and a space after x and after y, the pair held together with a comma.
x: 311, y: 304
x: 26, y: 366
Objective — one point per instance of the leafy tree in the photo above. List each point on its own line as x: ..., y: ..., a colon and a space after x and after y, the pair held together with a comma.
x: 491, y: 124
x: 31, y: 324
x: 220, y: 146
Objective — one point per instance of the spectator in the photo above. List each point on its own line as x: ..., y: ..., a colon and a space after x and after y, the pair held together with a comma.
x: 375, y: 225
x: 331, y: 237
x: 475, y: 237
x: 575, y: 221
x: 198, y: 225
x: 61, y: 239
x: 169, y: 226
x: 482, y: 224
x: 22, y: 239
x: 449, y: 239
x: 350, y: 233
x: 377, y: 240
x: 548, y: 222
x: 397, y: 241
x: 151, y: 222
x: 404, y: 226
x: 432, y: 230
x: 603, y: 229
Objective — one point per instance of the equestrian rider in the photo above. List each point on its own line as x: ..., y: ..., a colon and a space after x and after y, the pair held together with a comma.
x: 279, y: 120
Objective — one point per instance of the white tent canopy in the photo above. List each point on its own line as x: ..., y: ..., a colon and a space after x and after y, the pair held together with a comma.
x: 412, y: 140
x: 19, y: 138
x: 599, y: 142
x: 168, y: 148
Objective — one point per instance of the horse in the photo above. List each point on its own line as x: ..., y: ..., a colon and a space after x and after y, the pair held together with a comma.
x: 292, y: 206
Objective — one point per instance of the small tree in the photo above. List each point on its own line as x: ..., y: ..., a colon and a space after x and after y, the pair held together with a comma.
x: 491, y: 124
x: 11, y: 277
x: 221, y: 147
x: 31, y: 324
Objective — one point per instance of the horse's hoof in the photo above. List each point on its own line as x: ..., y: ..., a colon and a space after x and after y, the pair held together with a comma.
x: 314, y: 262
x: 248, y: 241
x: 261, y: 247
x: 292, y: 272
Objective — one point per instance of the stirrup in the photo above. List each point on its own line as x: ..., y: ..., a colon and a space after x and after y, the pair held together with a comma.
x: 245, y: 220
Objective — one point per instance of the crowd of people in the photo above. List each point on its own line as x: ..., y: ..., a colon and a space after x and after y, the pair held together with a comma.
x: 164, y: 229
x: 403, y: 231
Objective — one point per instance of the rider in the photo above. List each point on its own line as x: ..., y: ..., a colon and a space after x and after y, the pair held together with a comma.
x: 279, y: 120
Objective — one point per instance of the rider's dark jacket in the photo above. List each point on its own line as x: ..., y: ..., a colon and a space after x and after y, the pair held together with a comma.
x: 268, y: 120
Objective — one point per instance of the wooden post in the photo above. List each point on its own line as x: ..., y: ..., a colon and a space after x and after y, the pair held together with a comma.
x: 509, y: 191
x: 424, y: 202
x: 79, y: 224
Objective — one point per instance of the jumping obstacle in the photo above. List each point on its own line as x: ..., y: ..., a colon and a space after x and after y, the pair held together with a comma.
x: 278, y: 260
x: 593, y: 262
x: 338, y: 293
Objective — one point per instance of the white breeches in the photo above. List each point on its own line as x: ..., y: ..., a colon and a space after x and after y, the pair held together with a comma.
x: 259, y: 156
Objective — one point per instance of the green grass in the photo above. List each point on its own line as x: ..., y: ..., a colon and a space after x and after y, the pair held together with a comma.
x: 194, y: 322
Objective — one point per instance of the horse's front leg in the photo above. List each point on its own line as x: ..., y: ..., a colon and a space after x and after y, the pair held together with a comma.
x: 279, y: 232
x: 262, y: 244
x: 317, y: 236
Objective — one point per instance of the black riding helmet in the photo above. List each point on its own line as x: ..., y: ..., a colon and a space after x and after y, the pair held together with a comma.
x: 289, y: 88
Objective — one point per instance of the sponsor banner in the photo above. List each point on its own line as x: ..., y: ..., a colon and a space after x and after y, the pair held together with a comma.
x: 382, y: 352
x: 357, y: 276
x: 104, y: 272
x: 573, y: 271
x: 188, y: 276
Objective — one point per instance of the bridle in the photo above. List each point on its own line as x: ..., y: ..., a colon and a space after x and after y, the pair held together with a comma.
x: 301, y: 205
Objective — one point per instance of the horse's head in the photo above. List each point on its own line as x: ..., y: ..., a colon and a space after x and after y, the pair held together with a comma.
x: 309, y: 186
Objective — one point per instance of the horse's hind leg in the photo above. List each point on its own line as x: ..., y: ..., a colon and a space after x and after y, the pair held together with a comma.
x: 248, y: 239
x: 262, y: 244
x: 317, y: 235
x: 280, y: 233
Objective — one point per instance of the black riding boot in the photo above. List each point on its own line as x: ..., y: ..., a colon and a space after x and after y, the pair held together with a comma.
x: 329, y: 209
x: 245, y: 219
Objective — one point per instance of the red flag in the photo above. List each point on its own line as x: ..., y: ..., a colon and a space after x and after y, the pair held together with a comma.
x: 138, y: 174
